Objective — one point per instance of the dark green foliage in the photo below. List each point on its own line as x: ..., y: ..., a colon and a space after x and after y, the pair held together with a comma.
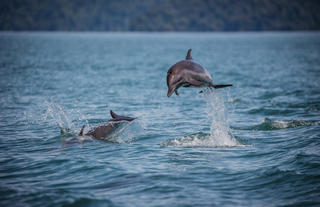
x: 69, y: 15
x: 160, y: 15
x: 230, y: 15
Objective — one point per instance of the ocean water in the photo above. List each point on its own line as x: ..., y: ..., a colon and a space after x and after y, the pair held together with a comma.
x: 254, y: 144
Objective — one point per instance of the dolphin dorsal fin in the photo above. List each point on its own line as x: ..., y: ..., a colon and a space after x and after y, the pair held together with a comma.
x: 188, y: 57
x: 81, y: 131
x: 113, y: 115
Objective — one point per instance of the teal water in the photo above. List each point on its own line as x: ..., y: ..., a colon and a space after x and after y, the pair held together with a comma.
x: 254, y: 144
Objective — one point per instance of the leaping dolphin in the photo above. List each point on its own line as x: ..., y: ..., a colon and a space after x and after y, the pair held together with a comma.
x: 187, y: 73
x: 104, y: 130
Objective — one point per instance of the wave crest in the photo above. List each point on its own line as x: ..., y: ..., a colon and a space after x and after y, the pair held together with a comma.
x: 268, y: 124
x: 201, y: 139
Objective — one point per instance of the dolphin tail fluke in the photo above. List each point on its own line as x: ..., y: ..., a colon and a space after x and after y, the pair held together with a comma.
x: 81, y: 131
x: 220, y: 86
x: 116, y: 117
x: 113, y: 115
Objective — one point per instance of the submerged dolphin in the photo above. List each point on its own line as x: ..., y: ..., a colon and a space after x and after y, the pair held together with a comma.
x: 106, y: 129
x: 187, y: 73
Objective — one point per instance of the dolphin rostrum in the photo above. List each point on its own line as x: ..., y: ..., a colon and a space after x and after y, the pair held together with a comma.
x: 187, y: 73
x: 106, y: 129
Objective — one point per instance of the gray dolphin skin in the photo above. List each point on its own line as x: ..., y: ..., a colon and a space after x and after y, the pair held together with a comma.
x: 187, y: 73
x: 104, y: 130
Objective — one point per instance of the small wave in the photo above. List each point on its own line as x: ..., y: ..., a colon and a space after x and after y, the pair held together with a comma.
x: 84, y: 201
x: 234, y: 100
x: 201, y: 139
x: 76, y: 140
x: 270, y: 111
x: 268, y: 124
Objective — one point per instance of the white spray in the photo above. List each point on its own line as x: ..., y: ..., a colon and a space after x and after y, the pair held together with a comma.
x: 220, y: 132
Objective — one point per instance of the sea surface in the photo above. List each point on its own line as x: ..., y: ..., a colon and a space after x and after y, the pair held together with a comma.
x: 254, y: 144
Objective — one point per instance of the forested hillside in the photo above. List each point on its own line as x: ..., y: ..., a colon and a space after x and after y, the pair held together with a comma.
x: 159, y: 15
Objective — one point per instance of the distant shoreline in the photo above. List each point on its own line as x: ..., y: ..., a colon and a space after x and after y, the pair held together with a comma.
x: 160, y: 15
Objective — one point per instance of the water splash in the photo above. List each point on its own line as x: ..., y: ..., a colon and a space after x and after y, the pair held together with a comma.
x: 126, y: 132
x: 59, y: 116
x: 220, y: 132
x: 63, y: 118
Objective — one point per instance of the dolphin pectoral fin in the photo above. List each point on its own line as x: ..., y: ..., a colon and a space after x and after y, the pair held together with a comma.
x: 176, y: 91
x: 188, y: 57
x: 81, y: 131
x: 195, y: 82
x: 220, y: 86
